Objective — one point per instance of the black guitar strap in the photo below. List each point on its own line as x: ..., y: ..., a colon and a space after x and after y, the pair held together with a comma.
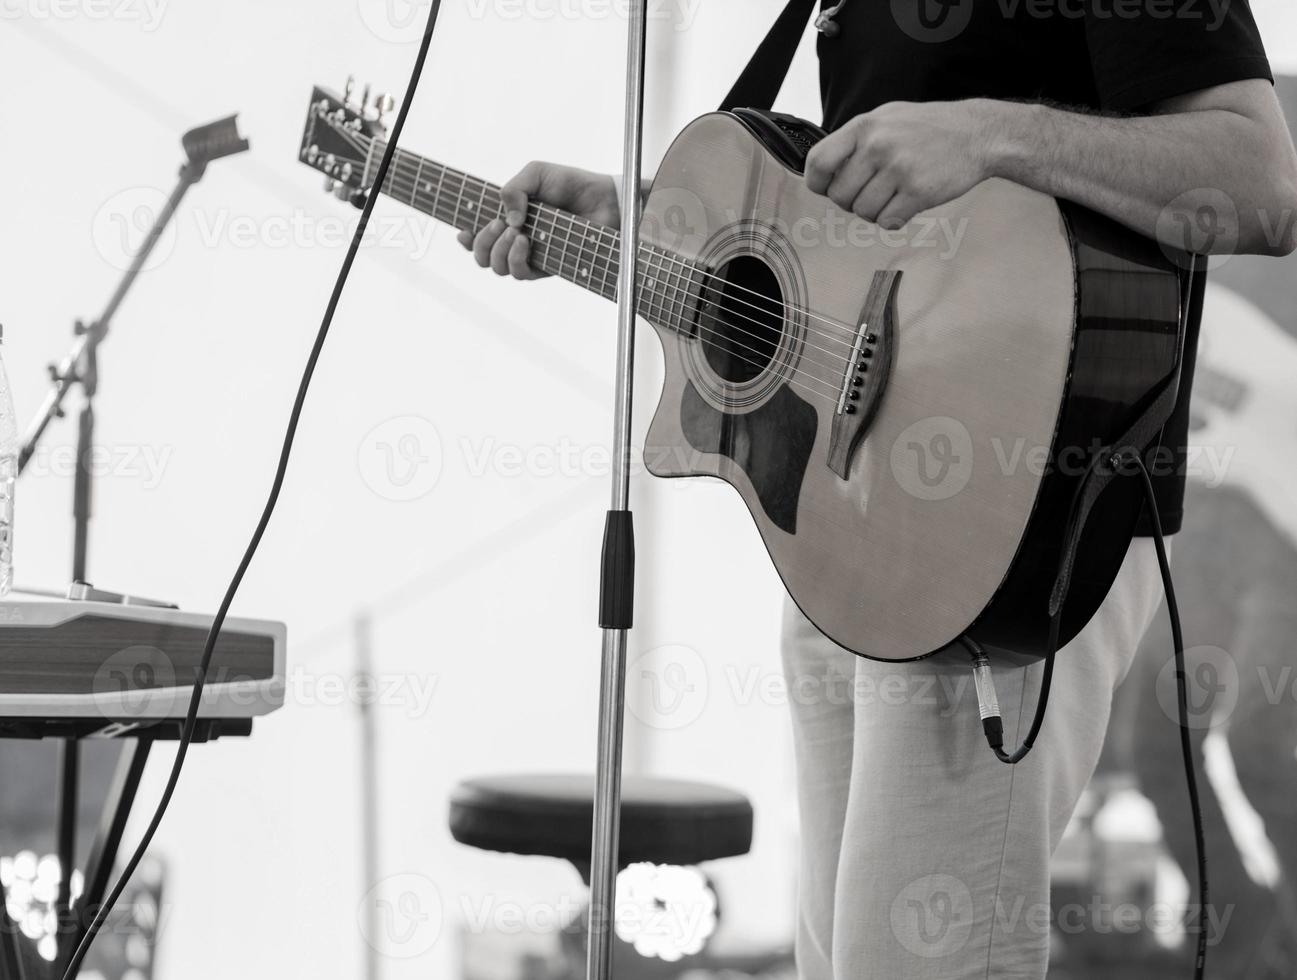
x: 1144, y: 432
x: 759, y: 85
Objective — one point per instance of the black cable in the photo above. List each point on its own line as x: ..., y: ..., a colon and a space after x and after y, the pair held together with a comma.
x: 195, y: 700
x: 993, y: 726
x: 1182, y: 705
x: 992, y: 723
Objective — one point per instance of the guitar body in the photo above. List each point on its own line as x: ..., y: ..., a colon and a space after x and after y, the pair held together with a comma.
x: 908, y: 425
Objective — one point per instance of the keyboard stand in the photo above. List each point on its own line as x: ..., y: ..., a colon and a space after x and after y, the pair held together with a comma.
x: 17, y: 958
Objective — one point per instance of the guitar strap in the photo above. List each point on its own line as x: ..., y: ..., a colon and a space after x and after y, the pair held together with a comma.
x: 759, y: 85
x: 1144, y: 431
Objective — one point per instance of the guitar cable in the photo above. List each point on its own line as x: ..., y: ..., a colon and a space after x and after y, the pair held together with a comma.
x: 993, y: 725
x: 191, y: 715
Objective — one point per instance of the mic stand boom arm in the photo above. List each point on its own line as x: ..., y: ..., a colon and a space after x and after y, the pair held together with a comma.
x: 202, y: 144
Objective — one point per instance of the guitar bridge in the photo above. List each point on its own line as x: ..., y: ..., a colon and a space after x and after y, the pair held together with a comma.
x: 866, y: 373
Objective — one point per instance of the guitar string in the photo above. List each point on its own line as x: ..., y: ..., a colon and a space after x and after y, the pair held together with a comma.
x: 662, y: 305
x: 586, y: 250
x: 415, y: 159
x: 655, y: 306
x: 675, y: 320
x: 608, y: 236
x: 611, y: 238
x: 660, y: 308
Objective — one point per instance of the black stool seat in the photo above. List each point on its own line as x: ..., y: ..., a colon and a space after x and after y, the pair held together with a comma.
x: 665, y: 821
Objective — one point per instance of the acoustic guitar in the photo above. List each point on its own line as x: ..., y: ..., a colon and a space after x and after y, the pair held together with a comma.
x: 905, y: 414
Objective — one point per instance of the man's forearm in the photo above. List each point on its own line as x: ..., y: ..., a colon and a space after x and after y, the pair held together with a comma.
x: 1211, y: 171
x: 1209, y: 179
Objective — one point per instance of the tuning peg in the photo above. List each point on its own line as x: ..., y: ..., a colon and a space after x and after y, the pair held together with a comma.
x: 329, y: 185
x: 341, y: 191
x: 350, y: 87
x: 383, y: 104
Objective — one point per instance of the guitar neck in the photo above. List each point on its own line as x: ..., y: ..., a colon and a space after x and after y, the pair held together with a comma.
x: 562, y: 244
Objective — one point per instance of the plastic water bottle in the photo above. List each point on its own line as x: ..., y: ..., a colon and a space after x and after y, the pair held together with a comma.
x: 8, y: 476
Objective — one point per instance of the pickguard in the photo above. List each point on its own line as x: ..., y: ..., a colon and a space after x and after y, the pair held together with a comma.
x: 771, y: 444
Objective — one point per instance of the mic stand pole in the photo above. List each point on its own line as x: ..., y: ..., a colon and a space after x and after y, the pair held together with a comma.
x: 617, y: 579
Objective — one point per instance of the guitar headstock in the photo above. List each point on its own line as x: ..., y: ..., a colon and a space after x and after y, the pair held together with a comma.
x: 341, y: 139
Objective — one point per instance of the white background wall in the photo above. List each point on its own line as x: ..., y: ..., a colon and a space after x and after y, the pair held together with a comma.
x: 484, y: 586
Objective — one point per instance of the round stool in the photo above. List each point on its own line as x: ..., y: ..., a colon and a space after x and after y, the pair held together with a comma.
x: 667, y: 826
x: 663, y: 821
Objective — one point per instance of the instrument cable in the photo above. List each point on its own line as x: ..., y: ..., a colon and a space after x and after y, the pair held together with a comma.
x: 993, y: 726
x: 1078, y: 514
x: 195, y: 700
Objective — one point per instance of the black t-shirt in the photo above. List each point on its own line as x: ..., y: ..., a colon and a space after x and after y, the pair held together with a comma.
x: 1101, y: 55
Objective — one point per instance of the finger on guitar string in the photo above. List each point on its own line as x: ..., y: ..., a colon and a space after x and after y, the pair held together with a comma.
x: 509, y: 255
x: 519, y: 190
x: 500, y: 251
x: 484, y: 242
x: 519, y: 258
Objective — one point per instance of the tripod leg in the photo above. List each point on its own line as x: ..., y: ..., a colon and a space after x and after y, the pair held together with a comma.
x: 69, y: 778
x: 103, y: 855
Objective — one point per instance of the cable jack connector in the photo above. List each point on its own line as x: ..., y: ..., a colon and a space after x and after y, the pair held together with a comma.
x: 988, y: 705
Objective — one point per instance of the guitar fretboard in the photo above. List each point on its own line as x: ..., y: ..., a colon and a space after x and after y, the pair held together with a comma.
x: 562, y: 244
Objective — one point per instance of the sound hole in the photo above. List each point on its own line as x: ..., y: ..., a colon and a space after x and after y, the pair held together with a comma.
x: 741, y: 319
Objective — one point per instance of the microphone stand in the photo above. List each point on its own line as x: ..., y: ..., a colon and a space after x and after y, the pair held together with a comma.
x: 81, y: 367
x: 617, y: 579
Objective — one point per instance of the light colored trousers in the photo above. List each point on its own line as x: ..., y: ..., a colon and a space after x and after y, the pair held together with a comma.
x: 923, y: 856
